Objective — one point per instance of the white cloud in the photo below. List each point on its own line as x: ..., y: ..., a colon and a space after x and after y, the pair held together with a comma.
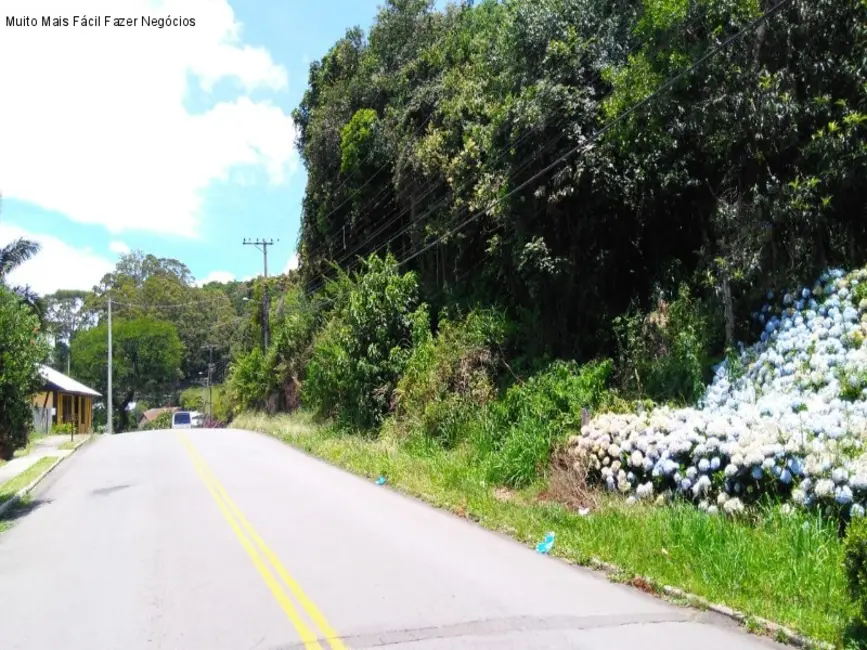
x: 118, y: 247
x: 97, y: 127
x: 292, y: 264
x: 57, y: 265
x: 216, y: 276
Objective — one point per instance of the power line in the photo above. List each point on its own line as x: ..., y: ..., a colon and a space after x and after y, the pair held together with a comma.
x: 189, y: 303
x: 434, y: 185
x: 607, y: 127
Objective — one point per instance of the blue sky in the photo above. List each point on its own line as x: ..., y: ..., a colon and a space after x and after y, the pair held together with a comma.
x: 177, y: 142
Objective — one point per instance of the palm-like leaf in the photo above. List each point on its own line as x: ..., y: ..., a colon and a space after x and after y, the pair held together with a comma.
x: 32, y: 300
x: 15, y: 254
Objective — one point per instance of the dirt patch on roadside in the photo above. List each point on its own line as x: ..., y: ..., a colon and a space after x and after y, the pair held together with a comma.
x: 568, y: 484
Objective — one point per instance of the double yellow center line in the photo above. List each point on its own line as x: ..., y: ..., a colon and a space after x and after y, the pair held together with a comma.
x: 262, y: 556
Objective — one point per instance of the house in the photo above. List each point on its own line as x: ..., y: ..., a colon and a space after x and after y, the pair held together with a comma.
x: 61, y: 400
x: 152, y: 414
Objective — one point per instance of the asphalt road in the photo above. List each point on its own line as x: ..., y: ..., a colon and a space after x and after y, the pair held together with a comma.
x: 229, y: 540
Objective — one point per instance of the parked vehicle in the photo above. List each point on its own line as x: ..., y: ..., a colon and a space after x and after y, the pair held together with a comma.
x: 182, y: 420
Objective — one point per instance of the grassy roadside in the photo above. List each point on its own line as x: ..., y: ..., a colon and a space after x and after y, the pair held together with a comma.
x: 10, y: 488
x: 786, y: 568
x: 70, y: 445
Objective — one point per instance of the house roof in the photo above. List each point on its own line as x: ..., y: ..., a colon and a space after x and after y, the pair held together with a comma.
x: 58, y: 381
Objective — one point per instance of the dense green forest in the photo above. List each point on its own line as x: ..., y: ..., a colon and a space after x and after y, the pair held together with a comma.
x: 534, y: 155
x: 501, y: 185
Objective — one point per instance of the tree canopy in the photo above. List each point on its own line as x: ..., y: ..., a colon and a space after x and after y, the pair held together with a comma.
x: 146, y: 360
x: 569, y: 157
x: 21, y: 352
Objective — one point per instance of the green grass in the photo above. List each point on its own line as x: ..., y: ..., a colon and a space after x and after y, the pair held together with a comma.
x: 786, y: 568
x: 8, y: 489
x: 69, y: 445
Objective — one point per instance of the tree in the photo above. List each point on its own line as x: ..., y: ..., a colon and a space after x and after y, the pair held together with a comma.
x: 360, y: 354
x: 163, y: 289
x: 561, y: 157
x: 21, y: 351
x: 13, y: 255
x: 64, y: 317
x: 146, y: 361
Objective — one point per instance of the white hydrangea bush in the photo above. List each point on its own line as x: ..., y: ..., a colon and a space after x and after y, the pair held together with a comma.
x: 787, y: 417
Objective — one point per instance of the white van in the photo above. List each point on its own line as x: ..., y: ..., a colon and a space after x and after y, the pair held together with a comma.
x: 182, y: 420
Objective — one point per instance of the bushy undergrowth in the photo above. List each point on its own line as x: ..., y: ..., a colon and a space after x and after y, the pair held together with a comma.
x: 361, y: 353
x: 271, y: 379
x: 195, y: 399
x: 162, y: 421
x: 521, y: 430
x: 450, y: 377
x: 665, y: 354
x: 856, y: 576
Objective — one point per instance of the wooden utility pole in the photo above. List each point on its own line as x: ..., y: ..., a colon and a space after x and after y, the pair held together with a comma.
x: 109, y: 424
x: 209, y: 407
x: 263, y: 245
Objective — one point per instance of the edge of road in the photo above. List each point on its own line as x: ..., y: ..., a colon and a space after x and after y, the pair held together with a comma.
x: 29, y: 488
x: 752, y: 624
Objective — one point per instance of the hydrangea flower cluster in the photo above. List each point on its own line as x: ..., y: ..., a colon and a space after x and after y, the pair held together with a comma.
x: 787, y: 417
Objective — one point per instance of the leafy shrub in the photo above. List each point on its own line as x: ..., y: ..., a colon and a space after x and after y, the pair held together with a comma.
x: 666, y: 354
x: 532, y: 418
x: 853, y: 381
x: 250, y: 380
x: 191, y: 399
x: 63, y: 429
x: 450, y: 376
x: 294, y: 325
x: 859, y: 293
x: 194, y: 399
x: 21, y: 350
x: 365, y: 347
x: 856, y: 571
x: 162, y: 421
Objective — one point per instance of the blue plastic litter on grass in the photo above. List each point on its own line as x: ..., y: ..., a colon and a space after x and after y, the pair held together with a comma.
x: 380, y: 480
x: 546, y: 544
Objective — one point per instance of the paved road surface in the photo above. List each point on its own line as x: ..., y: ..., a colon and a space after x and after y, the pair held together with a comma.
x: 133, y: 545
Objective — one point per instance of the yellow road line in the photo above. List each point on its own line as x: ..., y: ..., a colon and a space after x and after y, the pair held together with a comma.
x: 309, y: 607
x: 307, y: 636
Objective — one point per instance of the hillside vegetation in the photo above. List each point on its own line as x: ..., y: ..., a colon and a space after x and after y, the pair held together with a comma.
x: 533, y: 237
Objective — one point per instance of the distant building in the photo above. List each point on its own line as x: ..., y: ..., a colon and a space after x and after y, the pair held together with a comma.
x: 152, y: 414
x: 61, y: 400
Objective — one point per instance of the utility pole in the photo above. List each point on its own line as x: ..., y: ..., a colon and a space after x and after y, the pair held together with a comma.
x: 108, y: 424
x: 263, y: 245
x: 209, y: 408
